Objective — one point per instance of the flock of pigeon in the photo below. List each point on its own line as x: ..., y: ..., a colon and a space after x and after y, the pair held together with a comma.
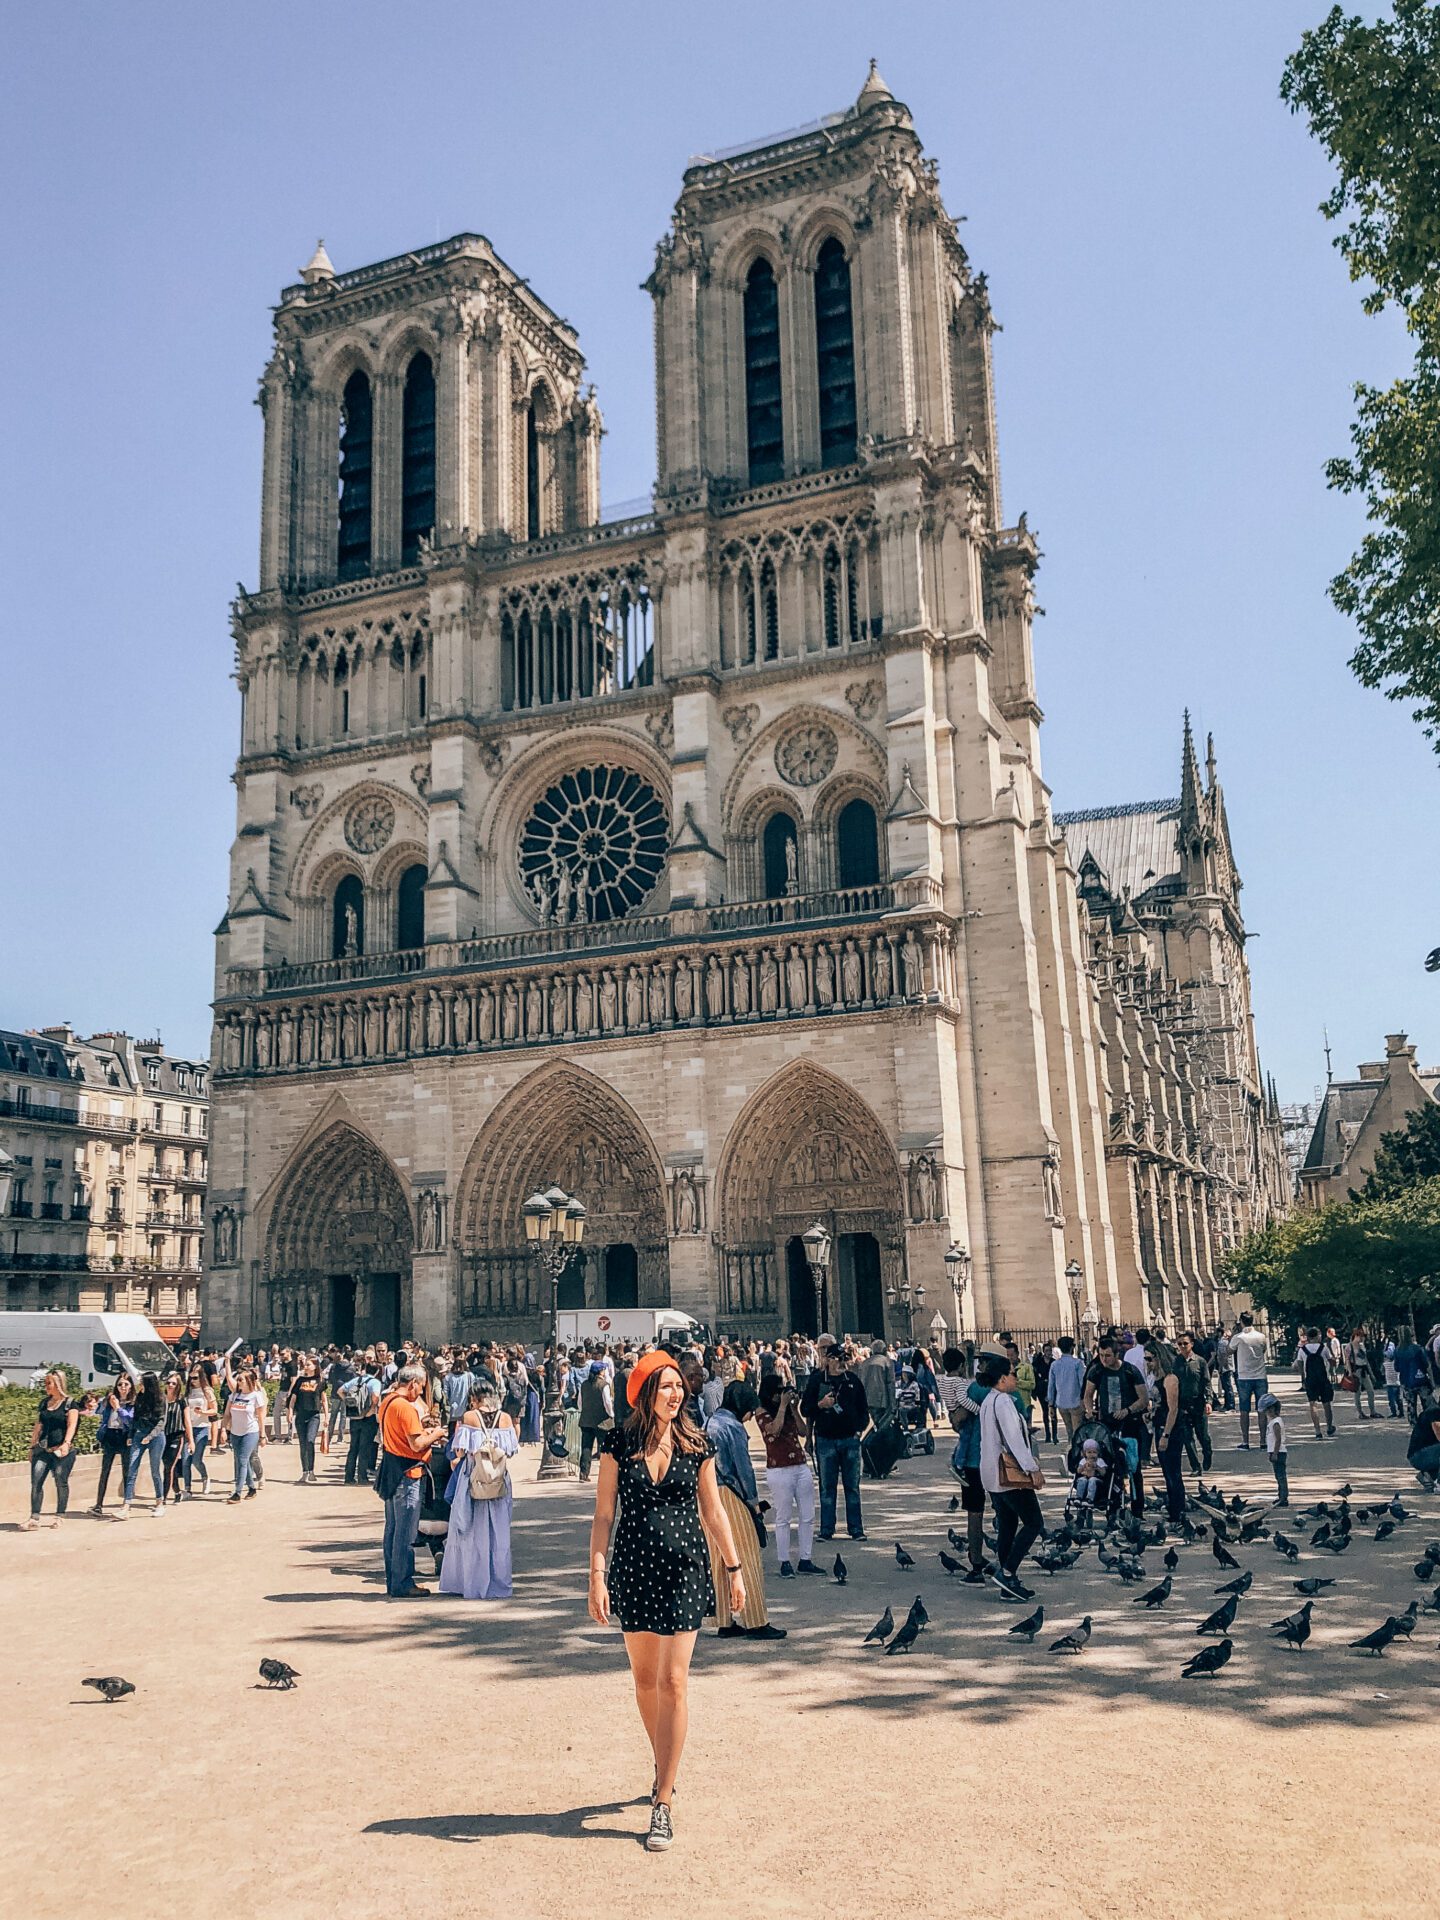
x: 274, y: 1673
x: 1226, y: 1524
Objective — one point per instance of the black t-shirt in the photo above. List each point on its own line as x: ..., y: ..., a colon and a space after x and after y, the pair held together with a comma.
x: 305, y: 1399
x: 340, y: 1372
x: 1115, y: 1390
x: 53, y: 1422
x: 1422, y: 1434
x: 849, y: 1415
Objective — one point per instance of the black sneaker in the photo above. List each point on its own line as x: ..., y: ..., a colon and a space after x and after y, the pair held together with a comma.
x: 1009, y: 1588
x: 787, y: 1572
x: 809, y: 1566
x: 767, y: 1632
x: 859, y: 1536
x: 732, y: 1632
x: 661, y: 1835
x: 975, y: 1578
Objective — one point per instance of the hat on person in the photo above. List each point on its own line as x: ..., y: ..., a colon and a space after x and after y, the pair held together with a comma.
x: 991, y: 1347
x: 597, y: 1366
x: 827, y: 1340
x: 1266, y: 1401
x: 653, y: 1362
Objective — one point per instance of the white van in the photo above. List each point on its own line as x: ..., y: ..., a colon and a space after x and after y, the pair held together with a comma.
x: 100, y: 1346
x: 611, y: 1325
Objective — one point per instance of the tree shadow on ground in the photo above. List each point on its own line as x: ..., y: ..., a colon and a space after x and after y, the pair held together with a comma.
x: 572, y: 1824
x: 967, y: 1660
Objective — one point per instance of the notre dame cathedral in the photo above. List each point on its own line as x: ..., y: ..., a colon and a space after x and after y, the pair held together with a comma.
x: 702, y: 861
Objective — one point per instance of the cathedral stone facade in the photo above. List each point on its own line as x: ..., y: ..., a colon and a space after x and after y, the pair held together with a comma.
x: 702, y: 861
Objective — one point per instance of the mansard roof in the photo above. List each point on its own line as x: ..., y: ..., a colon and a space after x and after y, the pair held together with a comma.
x: 1134, y: 847
x: 1343, y: 1111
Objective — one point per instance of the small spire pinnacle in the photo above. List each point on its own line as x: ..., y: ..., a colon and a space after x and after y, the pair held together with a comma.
x: 1210, y: 760
x: 874, y: 89
x: 319, y: 268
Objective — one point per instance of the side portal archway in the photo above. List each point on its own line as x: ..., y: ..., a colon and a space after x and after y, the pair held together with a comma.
x: 808, y: 1148
x: 337, y: 1253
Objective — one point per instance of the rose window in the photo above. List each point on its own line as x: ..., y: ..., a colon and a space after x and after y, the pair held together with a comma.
x: 594, y: 846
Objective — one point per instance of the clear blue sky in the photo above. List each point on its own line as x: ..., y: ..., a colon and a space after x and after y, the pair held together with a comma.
x: 1178, y: 349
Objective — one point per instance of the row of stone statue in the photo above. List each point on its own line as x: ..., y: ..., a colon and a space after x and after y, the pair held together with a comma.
x: 802, y: 978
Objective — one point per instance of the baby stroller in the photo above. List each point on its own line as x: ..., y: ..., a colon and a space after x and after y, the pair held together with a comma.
x: 910, y: 1419
x: 1081, y: 1505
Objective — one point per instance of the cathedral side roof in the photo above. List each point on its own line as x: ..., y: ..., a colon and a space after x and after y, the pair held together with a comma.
x: 1133, y: 846
x: 1343, y: 1111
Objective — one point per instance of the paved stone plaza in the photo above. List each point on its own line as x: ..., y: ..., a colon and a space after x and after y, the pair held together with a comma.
x: 445, y: 1757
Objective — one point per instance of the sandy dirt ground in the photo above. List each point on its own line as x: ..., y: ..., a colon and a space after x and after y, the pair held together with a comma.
x: 443, y: 1757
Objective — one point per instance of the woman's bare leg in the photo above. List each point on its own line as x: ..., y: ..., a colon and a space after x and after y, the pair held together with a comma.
x: 673, y: 1719
x: 644, y: 1651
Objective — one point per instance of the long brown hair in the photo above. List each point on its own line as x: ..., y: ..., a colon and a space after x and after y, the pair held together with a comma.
x: 644, y: 1422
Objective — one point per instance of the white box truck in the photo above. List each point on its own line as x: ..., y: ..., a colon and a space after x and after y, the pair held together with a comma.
x: 611, y: 1325
x: 100, y: 1346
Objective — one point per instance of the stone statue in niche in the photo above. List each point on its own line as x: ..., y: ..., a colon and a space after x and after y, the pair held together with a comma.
x: 659, y: 999
x: 684, y: 991
x: 584, y: 1004
x: 740, y: 987
x: 232, y: 1047
x: 792, y: 867
x: 430, y: 1220
x: 715, y: 989
x: 394, y: 1026
x: 609, y: 1002
x: 1050, y: 1181
x: 560, y: 878
x: 225, y: 1237
x: 913, y: 962
x: 687, y: 1204
x: 882, y: 970
x: 510, y: 1012
x: 634, y: 998
x: 349, y: 1031
x: 922, y: 1188
x: 307, y: 1037
x: 462, y: 1019
x: 796, y: 984
x: 262, y: 1045
x: 534, y: 1010
x: 434, y: 1022
x: 373, y: 1034
x: 327, y: 1034
x: 485, y: 1018
x: 559, y: 1020
x: 352, y: 933
x: 852, y: 975
x: 582, y: 898
x: 769, y: 983
x: 824, y: 977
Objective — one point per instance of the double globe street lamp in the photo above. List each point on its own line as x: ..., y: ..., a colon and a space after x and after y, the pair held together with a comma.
x: 816, y: 1242
x: 554, y: 1228
x: 910, y: 1296
x: 957, y: 1271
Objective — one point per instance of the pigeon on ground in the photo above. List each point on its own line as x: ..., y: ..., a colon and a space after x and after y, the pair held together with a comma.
x: 902, y: 1558
x: 1312, y: 1585
x: 951, y: 1564
x: 1424, y: 1569
x: 1385, y: 1529
x: 1130, y: 1571
x: 957, y: 1540
x: 1252, y: 1531
x: 1294, y: 1629
x: 1345, y: 1491
x: 1377, y: 1641
x: 275, y: 1673
x: 1338, y: 1544
x: 1398, y: 1512
x: 1171, y: 1561
x: 1110, y: 1561
x: 112, y: 1686
x: 1321, y: 1534
x: 1405, y: 1622
x: 1222, y: 1619
x: 905, y: 1638
x: 1157, y: 1596
x: 1223, y: 1558
x: 1432, y: 1605
x: 917, y: 1615
x: 1208, y: 1660
x: 1030, y: 1626
x: 1240, y: 1585
x: 1075, y: 1642
x: 840, y: 1571
x: 882, y: 1629
x: 1220, y: 1531
x: 954, y: 1506
x: 1287, y: 1547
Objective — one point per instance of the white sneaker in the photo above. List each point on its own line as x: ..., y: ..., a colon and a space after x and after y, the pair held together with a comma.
x: 157, y: 1509
x: 122, y: 1512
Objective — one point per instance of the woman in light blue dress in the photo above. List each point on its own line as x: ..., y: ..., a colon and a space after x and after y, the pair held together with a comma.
x: 477, y: 1547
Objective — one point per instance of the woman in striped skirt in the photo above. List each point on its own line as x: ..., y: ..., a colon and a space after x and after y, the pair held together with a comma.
x: 725, y: 1429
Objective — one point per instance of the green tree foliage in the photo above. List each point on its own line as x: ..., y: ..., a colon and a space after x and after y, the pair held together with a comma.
x: 1407, y: 1156
x: 1371, y: 94
x: 1358, y: 1260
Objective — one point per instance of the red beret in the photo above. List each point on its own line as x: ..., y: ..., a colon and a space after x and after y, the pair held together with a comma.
x: 648, y: 1363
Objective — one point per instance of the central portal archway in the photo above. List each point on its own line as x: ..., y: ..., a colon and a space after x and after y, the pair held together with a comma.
x: 561, y: 1124
x: 808, y: 1148
x: 337, y: 1254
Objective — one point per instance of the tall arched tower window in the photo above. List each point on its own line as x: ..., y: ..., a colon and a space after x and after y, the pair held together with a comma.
x: 356, y: 414
x: 764, y: 432
x: 857, y: 845
x: 347, y: 918
x: 835, y: 355
x: 417, y: 488
x: 532, y: 474
x: 780, y: 854
x: 410, y: 909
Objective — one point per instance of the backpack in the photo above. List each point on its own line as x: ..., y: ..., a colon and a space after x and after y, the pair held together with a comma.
x: 488, y: 1474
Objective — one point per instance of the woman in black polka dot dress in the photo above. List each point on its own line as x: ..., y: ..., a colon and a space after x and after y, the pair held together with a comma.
x: 661, y: 1469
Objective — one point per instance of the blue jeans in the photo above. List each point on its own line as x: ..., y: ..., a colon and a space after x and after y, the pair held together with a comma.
x: 153, y: 1444
x: 402, y: 1523
x: 839, y: 1459
x: 242, y: 1452
x: 1282, y: 1478
x: 194, y: 1461
x: 1427, y: 1460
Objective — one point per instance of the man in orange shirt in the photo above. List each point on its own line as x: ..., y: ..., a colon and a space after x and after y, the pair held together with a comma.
x: 404, y: 1435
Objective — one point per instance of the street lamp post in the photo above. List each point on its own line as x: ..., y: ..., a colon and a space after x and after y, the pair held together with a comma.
x: 911, y: 1296
x: 957, y: 1268
x: 554, y: 1227
x: 816, y: 1242
x: 1089, y: 1321
x: 1074, y: 1274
